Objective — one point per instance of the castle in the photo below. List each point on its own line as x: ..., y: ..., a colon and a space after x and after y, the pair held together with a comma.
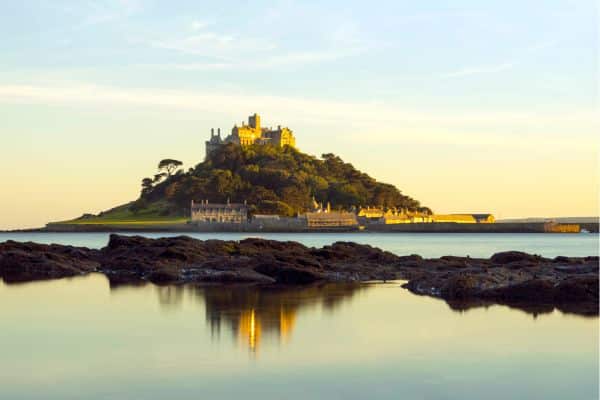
x: 252, y: 133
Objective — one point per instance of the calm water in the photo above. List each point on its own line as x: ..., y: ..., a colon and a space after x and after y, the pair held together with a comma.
x: 425, y: 244
x: 81, y: 339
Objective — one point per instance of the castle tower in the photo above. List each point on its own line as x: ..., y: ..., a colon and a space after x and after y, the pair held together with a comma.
x: 254, y: 121
x: 252, y: 133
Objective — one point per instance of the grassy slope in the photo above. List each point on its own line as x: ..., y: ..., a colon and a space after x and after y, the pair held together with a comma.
x: 121, y: 215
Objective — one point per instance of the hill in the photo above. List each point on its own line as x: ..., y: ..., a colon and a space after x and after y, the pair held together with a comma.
x: 272, y: 180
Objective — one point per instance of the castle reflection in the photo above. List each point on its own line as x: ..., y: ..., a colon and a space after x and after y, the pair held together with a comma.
x: 255, y: 315
x: 252, y: 313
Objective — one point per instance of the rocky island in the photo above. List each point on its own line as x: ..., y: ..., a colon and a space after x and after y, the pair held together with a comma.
x: 513, y: 278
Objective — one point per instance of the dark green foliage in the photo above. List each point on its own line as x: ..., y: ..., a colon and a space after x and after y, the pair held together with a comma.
x: 276, y: 180
x: 138, y: 205
x: 146, y: 186
x: 169, y: 166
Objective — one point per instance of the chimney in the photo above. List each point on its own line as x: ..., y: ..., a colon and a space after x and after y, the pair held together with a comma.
x: 219, y: 132
x: 212, y: 132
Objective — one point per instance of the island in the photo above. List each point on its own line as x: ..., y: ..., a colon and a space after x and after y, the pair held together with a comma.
x: 513, y: 278
x: 256, y: 180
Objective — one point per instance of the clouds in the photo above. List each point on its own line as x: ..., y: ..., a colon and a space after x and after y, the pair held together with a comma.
x: 522, y: 54
x: 354, y: 113
x: 197, y: 25
x: 208, y: 48
x: 214, y: 44
x: 271, y: 61
x: 480, y: 70
x: 101, y: 12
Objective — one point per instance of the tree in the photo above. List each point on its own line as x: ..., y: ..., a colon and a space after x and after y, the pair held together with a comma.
x: 146, y: 185
x: 272, y: 180
x: 159, y: 177
x: 169, y: 166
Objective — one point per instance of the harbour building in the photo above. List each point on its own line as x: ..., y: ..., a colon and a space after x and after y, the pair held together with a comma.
x: 232, y: 213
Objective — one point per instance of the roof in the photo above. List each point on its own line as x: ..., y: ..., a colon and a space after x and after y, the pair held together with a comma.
x: 265, y: 216
x: 218, y: 205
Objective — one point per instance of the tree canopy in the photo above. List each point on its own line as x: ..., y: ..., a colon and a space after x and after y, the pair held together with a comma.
x: 273, y: 180
x: 169, y: 166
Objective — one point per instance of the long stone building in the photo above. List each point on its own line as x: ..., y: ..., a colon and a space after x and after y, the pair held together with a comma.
x: 464, y: 218
x: 251, y: 133
x: 229, y: 213
x: 401, y: 216
x: 392, y: 216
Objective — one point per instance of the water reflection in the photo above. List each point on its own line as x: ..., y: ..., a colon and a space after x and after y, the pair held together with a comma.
x: 170, y: 297
x: 65, y: 337
x: 587, y: 310
x: 252, y: 314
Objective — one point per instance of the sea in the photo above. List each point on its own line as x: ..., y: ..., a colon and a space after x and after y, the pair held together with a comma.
x: 81, y: 338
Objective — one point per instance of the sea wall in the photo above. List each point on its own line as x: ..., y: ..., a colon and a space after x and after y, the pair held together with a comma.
x: 298, y: 225
x: 452, y: 227
x: 281, y: 224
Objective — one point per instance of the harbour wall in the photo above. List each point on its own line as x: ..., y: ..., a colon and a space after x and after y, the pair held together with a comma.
x: 295, y: 225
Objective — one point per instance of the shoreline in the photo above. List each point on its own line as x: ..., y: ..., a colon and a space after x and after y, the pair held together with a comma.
x: 512, y: 278
x: 501, y: 227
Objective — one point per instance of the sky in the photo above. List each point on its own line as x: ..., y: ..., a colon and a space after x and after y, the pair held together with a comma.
x: 467, y: 106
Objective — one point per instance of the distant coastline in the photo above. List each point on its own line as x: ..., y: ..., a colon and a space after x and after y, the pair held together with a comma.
x: 500, y: 227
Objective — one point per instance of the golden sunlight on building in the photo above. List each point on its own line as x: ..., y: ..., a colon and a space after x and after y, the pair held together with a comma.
x: 393, y: 216
x: 464, y: 218
x: 252, y: 133
x: 404, y: 216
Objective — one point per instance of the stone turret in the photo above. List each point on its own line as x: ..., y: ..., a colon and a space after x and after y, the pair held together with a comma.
x: 252, y: 133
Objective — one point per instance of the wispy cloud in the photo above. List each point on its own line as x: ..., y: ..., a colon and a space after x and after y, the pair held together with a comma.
x: 480, y: 70
x: 214, y: 44
x: 94, y: 13
x: 284, y: 59
x: 218, y: 50
x: 197, y: 25
x: 358, y: 114
x: 503, y: 66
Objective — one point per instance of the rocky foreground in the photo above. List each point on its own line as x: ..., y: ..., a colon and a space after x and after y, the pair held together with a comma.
x: 513, y: 278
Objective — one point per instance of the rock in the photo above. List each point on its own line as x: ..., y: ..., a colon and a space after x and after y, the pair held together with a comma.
x: 515, y: 278
x: 23, y: 262
x: 507, y: 257
x: 533, y: 290
x: 240, y: 276
x: 413, y: 258
x: 578, y: 289
x: 459, y: 286
x: 287, y: 273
